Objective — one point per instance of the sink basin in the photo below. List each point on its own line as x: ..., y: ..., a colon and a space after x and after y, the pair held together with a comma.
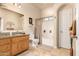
x: 18, y: 33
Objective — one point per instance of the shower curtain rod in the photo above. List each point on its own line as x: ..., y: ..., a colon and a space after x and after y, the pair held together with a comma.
x: 46, y: 17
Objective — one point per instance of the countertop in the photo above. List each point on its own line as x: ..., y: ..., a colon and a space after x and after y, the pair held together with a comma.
x: 8, y: 36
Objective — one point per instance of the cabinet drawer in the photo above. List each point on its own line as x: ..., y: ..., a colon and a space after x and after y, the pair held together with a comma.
x: 4, y: 41
x: 22, y: 38
x: 14, y: 40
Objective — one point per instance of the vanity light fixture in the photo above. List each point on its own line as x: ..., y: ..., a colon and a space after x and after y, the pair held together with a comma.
x: 17, y: 4
x: 46, y: 19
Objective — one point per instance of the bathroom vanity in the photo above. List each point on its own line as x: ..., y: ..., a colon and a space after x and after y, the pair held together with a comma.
x: 13, y: 45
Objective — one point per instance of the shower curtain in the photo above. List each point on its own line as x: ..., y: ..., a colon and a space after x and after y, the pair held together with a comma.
x: 38, y: 28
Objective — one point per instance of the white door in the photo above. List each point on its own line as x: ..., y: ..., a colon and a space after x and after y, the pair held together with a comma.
x: 48, y: 32
x: 65, y: 21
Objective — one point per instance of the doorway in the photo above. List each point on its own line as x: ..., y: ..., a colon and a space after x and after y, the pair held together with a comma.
x: 65, y: 22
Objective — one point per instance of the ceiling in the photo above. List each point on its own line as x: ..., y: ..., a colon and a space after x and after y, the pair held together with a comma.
x: 43, y: 5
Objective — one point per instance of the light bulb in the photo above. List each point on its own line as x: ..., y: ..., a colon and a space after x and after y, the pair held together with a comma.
x: 15, y: 4
x: 19, y: 6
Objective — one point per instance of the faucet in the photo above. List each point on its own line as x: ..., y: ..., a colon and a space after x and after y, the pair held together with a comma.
x: 10, y: 33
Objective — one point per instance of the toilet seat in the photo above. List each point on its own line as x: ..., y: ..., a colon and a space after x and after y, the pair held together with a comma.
x: 34, y: 41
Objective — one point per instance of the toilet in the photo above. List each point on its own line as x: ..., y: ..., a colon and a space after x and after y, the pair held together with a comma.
x: 34, y: 41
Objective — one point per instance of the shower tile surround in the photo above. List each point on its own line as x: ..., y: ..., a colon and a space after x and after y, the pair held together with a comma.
x: 45, y: 31
x: 48, y: 31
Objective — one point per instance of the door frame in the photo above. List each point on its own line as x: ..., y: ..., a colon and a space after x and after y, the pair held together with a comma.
x: 58, y: 24
x: 61, y: 7
x: 77, y: 30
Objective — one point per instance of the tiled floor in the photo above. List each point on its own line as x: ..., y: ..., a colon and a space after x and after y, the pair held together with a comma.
x: 45, y: 51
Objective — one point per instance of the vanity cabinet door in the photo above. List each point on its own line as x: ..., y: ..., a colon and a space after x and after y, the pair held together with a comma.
x: 5, y: 47
x: 14, y: 48
x: 19, y: 44
x: 25, y: 43
x: 22, y: 44
x: 5, y: 50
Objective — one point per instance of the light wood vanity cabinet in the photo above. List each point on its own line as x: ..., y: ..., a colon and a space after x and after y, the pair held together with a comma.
x: 19, y: 44
x: 14, y: 45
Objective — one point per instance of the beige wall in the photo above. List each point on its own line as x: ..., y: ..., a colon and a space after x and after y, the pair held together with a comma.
x: 51, y: 11
x: 27, y: 10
